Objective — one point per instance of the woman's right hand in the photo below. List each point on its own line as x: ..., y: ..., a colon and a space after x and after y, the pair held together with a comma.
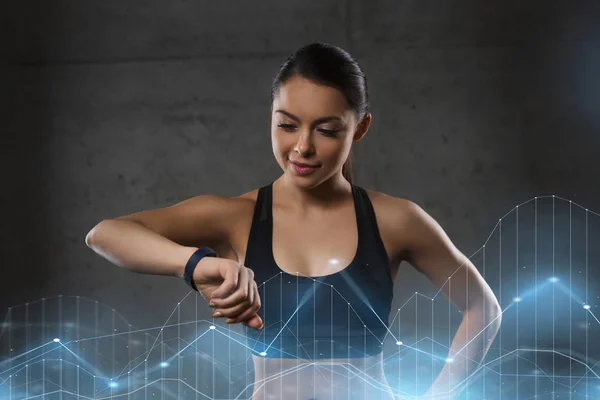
x: 230, y: 289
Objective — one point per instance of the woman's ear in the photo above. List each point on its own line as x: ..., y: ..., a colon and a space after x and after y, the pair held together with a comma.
x: 362, y: 127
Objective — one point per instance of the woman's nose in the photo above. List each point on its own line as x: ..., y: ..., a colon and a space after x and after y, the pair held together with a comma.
x: 304, y: 145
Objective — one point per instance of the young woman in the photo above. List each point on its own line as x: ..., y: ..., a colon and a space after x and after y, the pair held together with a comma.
x: 307, y: 263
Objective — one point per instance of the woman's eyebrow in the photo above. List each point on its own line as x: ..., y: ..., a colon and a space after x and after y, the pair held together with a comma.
x: 317, y: 121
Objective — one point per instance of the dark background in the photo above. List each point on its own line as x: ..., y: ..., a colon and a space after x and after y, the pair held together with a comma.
x: 111, y: 107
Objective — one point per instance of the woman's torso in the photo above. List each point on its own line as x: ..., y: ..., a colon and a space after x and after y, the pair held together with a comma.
x: 299, y: 243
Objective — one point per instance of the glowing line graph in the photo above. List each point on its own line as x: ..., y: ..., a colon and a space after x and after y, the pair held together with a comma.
x: 40, y: 354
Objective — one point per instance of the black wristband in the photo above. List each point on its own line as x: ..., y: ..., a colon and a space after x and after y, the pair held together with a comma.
x: 193, y: 262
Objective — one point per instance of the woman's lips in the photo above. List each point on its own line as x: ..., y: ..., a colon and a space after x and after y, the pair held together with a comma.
x: 302, y: 170
x: 303, y: 164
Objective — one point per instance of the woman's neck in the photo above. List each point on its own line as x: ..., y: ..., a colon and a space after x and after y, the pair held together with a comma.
x: 330, y: 193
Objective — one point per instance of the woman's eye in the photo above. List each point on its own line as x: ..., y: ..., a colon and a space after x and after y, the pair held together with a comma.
x: 328, y: 132
x: 289, y: 127
x: 285, y: 126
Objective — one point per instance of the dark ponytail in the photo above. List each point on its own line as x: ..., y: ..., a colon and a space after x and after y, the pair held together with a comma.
x: 332, y: 66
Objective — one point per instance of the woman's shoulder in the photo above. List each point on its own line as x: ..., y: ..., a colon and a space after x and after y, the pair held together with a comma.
x: 229, y: 208
x: 248, y: 197
x: 395, y: 217
x: 390, y: 206
x: 400, y: 216
x: 242, y: 205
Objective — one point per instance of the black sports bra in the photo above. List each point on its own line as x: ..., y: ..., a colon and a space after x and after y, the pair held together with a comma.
x: 342, y: 315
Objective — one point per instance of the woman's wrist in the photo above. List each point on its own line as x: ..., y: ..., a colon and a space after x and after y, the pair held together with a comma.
x: 192, y: 263
x: 183, y: 256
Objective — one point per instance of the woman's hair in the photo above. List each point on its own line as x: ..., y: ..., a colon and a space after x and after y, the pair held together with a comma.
x: 332, y: 66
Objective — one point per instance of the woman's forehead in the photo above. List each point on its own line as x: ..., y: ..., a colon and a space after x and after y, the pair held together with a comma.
x: 307, y: 99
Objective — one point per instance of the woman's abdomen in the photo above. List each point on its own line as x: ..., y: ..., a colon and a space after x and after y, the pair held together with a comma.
x: 351, y: 379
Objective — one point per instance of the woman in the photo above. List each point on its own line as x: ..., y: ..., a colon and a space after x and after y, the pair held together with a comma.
x: 307, y: 263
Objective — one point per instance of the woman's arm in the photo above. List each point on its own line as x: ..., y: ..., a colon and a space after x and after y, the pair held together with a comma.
x: 130, y: 245
x: 431, y: 252
x: 160, y: 241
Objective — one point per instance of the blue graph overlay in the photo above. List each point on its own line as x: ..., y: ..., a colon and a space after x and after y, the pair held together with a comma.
x: 541, y: 260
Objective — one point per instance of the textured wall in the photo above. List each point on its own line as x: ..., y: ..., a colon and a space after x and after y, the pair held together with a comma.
x: 112, y: 107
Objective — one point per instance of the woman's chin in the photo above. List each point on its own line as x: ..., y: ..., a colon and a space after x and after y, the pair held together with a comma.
x: 304, y: 181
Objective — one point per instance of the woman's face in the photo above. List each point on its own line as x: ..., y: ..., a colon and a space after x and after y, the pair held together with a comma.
x: 312, y: 124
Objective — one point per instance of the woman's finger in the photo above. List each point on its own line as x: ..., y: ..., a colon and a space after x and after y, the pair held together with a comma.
x: 246, y: 312
x: 250, y: 286
x: 230, y: 272
x: 237, y: 301
x: 252, y: 310
x: 256, y: 295
x: 239, y: 295
x: 245, y: 315
x: 230, y: 312
x: 255, y: 322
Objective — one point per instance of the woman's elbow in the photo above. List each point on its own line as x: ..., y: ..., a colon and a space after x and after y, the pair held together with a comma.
x: 489, y: 308
x: 493, y: 312
x: 497, y: 314
x: 89, y: 237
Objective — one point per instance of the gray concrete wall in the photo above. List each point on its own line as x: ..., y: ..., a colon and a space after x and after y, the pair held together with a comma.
x: 112, y: 107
